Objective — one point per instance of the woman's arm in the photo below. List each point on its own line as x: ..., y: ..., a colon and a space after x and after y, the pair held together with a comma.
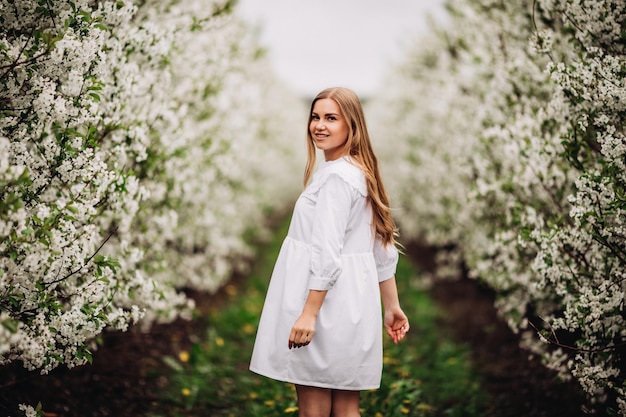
x: 396, y: 322
x: 304, y: 328
x: 332, y: 211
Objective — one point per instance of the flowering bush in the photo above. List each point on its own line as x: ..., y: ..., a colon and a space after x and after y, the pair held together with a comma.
x: 133, y: 140
x: 512, y: 122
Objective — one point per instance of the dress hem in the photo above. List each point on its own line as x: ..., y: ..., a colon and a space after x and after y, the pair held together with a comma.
x: 313, y: 383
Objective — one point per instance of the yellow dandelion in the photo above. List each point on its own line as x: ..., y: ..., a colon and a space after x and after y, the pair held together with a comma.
x: 270, y: 403
x: 183, y: 356
x: 390, y: 361
x: 253, y: 396
x: 248, y: 328
x: 405, y: 410
x: 231, y: 290
x: 425, y: 407
x: 291, y: 409
x: 219, y: 341
x: 379, y: 414
x: 186, y: 392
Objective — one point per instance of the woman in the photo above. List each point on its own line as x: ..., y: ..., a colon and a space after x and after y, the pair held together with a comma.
x: 320, y: 328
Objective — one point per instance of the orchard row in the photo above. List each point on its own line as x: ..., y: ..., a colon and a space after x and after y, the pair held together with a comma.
x: 507, y: 149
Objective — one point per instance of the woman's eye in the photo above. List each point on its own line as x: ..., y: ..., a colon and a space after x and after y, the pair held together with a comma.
x: 314, y: 117
x: 332, y: 118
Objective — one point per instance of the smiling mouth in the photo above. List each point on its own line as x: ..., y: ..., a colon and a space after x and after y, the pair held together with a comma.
x: 321, y: 135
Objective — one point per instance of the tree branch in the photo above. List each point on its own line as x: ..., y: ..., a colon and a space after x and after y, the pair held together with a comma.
x: 556, y: 341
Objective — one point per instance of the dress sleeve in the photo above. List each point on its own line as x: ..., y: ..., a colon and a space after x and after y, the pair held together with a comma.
x: 386, y: 258
x: 332, y: 211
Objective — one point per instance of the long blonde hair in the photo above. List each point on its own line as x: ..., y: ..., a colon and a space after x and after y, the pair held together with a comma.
x: 359, y: 147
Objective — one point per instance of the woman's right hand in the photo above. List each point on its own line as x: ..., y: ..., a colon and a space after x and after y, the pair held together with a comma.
x: 302, y: 331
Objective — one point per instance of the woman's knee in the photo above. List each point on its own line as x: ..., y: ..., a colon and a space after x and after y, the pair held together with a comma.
x: 345, y: 403
x: 313, y: 401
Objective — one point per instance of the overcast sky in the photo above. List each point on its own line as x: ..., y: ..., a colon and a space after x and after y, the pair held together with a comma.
x: 323, y: 43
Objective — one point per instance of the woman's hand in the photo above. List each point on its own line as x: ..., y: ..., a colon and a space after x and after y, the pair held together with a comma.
x: 302, y: 331
x: 396, y: 324
x: 304, y: 328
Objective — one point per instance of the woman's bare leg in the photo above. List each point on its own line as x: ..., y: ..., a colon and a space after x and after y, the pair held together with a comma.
x: 345, y: 403
x: 314, y: 401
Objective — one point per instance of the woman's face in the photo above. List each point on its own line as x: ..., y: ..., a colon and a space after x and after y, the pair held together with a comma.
x: 328, y: 128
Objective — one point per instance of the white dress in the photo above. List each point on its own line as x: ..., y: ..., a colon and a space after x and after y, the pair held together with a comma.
x: 330, y: 245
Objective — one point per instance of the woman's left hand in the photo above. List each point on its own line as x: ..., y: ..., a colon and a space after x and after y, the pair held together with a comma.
x: 396, y: 324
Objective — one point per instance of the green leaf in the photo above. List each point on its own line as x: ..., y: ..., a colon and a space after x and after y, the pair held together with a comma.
x: 85, y: 15
x: 11, y: 325
x: 84, y: 353
x: 15, y: 300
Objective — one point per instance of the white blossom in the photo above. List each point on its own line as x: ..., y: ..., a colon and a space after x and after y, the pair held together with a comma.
x: 508, y: 147
x: 134, y: 162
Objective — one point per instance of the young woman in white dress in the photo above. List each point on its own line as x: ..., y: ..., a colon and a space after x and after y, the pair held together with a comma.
x: 321, y: 325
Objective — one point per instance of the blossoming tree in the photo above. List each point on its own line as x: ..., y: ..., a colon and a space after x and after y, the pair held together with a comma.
x: 511, y: 118
x: 133, y: 142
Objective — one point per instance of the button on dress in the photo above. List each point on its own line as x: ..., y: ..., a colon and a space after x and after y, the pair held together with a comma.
x: 331, y: 245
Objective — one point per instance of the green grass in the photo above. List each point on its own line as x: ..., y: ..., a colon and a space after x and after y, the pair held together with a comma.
x: 425, y: 375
